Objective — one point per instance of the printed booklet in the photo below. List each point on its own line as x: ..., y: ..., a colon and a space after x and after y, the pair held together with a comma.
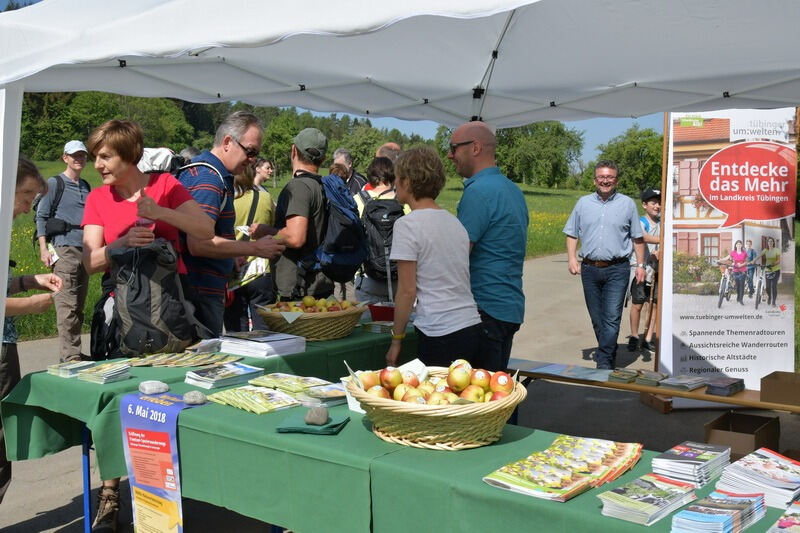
x: 647, y: 499
x: 721, y: 512
x: 778, y: 477
x: 212, y: 377
x: 261, y: 343
x: 789, y: 522
x: 692, y: 462
x: 258, y: 400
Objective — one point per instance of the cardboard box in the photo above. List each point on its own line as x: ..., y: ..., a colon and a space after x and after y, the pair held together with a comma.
x: 781, y: 387
x: 743, y: 433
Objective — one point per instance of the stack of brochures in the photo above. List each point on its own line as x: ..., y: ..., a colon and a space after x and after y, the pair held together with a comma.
x: 326, y: 395
x: 623, y: 375
x: 288, y: 382
x: 778, y: 477
x: 261, y: 343
x: 693, y: 462
x: 650, y: 378
x: 184, y: 359
x: 683, y: 382
x: 724, y: 386
x: 568, y: 467
x: 647, y: 499
x: 106, y: 372
x: 212, y: 377
x: 69, y: 369
x: 258, y: 400
x: 721, y: 512
x: 789, y: 521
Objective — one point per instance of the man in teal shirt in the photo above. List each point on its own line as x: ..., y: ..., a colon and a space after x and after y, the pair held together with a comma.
x: 494, y: 213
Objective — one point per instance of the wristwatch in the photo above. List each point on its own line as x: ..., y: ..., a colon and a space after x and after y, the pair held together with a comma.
x: 639, y: 265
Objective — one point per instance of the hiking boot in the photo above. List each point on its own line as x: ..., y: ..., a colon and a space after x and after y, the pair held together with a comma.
x: 107, y: 510
x: 633, y: 343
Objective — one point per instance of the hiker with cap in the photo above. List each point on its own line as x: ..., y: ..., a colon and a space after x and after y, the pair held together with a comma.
x: 640, y: 292
x: 300, y: 218
x: 60, y: 237
x: 354, y: 181
x: 607, y: 224
x: 209, y: 179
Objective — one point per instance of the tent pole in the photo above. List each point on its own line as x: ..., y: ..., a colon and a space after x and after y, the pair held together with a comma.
x: 10, y: 118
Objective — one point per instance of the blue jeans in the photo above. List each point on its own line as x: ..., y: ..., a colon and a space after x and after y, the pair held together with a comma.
x: 604, y: 291
x: 750, y: 288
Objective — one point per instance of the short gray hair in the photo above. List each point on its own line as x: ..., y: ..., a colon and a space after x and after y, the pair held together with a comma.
x: 345, y: 153
x: 235, y: 125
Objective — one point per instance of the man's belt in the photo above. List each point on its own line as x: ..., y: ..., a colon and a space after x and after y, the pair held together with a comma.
x: 604, y: 264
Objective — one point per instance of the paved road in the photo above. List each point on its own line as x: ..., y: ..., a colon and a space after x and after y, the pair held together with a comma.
x: 45, y: 494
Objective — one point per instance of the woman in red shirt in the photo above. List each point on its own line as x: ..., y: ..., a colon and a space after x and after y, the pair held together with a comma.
x: 131, y: 209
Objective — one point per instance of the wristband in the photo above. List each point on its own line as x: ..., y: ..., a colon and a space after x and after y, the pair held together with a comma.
x: 398, y: 337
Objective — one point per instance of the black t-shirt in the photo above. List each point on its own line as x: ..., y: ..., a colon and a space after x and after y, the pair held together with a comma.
x: 303, y: 197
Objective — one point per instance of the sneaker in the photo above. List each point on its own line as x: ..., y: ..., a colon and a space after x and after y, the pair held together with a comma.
x: 647, y: 346
x: 633, y: 343
x: 107, y: 510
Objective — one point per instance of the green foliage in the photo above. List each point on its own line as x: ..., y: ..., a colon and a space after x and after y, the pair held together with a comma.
x: 637, y: 153
x: 540, y: 154
x: 692, y: 269
x: 362, y: 142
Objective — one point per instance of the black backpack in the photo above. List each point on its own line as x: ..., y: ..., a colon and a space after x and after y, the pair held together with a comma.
x: 54, y: 226
x: 151, y: 314
x: 378, y: 218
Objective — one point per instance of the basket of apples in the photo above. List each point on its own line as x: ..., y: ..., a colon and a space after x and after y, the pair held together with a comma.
x: 454, y: 409
x: 316, y: 320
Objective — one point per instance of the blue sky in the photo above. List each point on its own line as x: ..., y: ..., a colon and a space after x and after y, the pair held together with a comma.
x: 596, y: 131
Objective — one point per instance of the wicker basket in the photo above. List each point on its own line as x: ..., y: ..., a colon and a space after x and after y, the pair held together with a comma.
x: 438, y: 427
x: 316, y: 326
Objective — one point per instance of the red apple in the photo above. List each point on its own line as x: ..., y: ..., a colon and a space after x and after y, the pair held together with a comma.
x: 442, y: 387
x: 412, y: 393
x: 481, y: 378
x: 426, y: 386
x: 417, y: 399
x: 369, y: 379
x: 451, y: 396
x: 501, y: 382
x: 391, y: 377
x: 473, y: 393
x: 458, y: 379
x: 498, y: 395
x: 410, y: 379
x: 460, y: 362
x: 379, y: 391
x: 399, y: 391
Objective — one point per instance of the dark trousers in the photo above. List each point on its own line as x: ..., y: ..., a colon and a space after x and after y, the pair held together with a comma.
x: 739, y: 279
x: 750, y: 273
x: 209, y: 309
x: 604, y: 291
x: 495, y: 343
x: 257, y: 292
x: 772, y: 286
x: 441, y: 351
x: 9, y: 377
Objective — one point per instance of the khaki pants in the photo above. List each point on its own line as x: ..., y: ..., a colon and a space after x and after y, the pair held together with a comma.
x: 69, y: 302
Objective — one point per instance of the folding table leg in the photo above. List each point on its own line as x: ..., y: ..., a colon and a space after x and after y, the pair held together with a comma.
x: 87, y: 480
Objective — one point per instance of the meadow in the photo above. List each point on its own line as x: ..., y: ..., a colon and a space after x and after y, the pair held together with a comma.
x: 548, y: 210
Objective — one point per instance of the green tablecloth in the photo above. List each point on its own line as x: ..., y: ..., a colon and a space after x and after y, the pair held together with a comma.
x: 446, y: 491
x: 43, y: 414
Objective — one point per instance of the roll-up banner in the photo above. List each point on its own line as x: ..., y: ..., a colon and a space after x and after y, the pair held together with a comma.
x: 728, y: 275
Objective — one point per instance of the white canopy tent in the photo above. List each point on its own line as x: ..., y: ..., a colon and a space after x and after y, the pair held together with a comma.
x: 507, y: 62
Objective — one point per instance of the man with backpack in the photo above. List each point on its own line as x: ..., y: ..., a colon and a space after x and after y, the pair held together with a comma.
x: 58, y: 223
x: 209, y: 179
x: 317, y: 219
x: 493, y: 211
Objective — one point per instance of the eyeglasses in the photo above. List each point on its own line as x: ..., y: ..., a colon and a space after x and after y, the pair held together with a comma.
x: 454, y: 146
x: 249, y: 152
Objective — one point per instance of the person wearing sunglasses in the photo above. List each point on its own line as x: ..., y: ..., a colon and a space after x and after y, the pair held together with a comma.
x: 210, y: 262
x: 494, y: 213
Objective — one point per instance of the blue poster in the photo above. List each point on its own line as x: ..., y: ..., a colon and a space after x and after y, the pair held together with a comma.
x: 149, y: 437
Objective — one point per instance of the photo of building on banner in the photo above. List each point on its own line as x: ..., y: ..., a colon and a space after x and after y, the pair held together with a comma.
x: 732, y: 183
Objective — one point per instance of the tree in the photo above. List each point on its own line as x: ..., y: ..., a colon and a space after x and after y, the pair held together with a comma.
x: 637, y: 153
x: 362, y: 142
x: 542, y: 153
x: 278, y: 137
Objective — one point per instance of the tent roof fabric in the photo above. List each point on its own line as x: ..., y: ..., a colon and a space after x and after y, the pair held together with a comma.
x: 417, y: 59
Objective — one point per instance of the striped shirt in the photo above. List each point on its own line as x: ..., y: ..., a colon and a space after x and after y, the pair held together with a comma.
x: 206, y: 275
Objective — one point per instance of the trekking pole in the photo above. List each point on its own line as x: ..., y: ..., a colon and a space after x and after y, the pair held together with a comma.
x: 388, y: 271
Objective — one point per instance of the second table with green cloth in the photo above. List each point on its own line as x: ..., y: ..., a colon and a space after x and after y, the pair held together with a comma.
x: 44, y: 414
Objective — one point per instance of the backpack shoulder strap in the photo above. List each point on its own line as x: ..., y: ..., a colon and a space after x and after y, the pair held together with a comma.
x: 252, y: 214
x: 57, y: 197
x: 645, y: 223
x: 88, y: 186
x: 215, y: 171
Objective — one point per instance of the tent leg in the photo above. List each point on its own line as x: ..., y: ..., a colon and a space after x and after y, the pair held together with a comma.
x: 87, y: 479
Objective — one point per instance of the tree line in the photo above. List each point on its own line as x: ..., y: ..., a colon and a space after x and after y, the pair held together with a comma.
x: 546, y: 154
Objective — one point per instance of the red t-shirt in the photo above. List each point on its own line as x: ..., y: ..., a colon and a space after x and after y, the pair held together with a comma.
x: 104, y: 207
